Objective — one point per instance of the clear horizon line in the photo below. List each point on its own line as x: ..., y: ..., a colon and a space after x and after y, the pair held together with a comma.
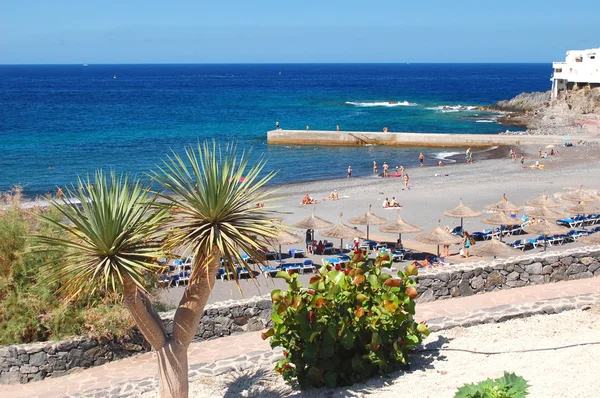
x: 278, y: 63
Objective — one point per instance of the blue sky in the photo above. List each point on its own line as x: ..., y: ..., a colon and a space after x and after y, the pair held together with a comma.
x: 152, y: 31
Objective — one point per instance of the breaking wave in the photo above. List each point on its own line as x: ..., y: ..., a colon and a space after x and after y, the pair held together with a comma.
x: 452, y: 108
x: 381, y: 103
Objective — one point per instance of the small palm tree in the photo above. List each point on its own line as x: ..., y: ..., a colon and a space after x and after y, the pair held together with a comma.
x: 120, y: 227
x: 212, y: 198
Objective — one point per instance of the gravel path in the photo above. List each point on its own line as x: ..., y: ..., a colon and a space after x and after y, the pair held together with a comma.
x: 567, y: 372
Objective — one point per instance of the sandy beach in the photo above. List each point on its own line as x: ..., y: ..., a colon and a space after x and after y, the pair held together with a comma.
x: 433, y: 190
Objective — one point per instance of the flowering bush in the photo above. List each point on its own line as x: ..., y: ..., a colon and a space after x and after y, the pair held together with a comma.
x: 348, y: 325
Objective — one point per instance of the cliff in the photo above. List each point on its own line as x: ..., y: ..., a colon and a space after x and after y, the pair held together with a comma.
x: 536, y: 111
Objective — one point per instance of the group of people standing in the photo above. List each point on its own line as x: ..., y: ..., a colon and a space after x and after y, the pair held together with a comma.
x: 399, y: 172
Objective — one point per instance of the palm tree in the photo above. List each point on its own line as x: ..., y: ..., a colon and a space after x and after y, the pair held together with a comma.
x: 119, y: 227
x: 212, y: 198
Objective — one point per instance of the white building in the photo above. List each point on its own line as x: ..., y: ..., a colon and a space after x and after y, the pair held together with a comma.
x: 581, y: 68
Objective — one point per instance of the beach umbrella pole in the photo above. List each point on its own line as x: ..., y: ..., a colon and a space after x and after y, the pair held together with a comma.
x: 400, y: 240
x: 367, y: 232
x: 461, y: 223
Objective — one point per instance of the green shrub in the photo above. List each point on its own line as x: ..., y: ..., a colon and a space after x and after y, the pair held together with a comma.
x: 508, y: 386
x: 347, y: 326
x: 30, y: 309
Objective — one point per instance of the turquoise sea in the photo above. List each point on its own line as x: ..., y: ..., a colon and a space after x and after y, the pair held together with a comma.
x: 61, y: 121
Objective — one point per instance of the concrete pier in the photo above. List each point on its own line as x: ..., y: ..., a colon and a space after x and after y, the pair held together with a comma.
x: 362, y: 138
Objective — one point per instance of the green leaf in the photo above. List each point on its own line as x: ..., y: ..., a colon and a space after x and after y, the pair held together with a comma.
x: 331, y: 379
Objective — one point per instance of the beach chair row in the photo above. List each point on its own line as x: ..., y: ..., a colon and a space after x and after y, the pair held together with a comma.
x: 580, y: 221
x: 532, y: 243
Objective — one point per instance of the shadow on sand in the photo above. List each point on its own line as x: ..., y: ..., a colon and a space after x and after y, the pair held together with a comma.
x: 263, y: 382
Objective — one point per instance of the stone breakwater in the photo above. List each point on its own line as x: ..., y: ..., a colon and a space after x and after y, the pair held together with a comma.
x: 466, y: 279
x: 27, y: 362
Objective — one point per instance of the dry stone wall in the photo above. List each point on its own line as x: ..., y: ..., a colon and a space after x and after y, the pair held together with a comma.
x: 466, y: 279
x: 31, y: 362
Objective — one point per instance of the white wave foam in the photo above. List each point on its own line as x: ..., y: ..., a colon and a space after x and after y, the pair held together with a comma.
x: 380, y: 103
x: 485, y: 121
x: 452, y: 108
x: 445, y: 155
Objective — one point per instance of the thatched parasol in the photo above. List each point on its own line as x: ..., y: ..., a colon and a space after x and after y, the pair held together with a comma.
x: 543, y: 201
x: 580, y: 196
x: 342, y: 231
x: 438, y: 237
x: 545, y: 213
x: 593, y: 239
x: 368, y: 219
x: 501, y: 219
x: 545, y: 228
x: 283, y: 238
x: 462, y: 211
x: 494, y: 248
x: 400, y: 227
x: 313, y: 222
x: 583, y: 208
x: 504, y: 205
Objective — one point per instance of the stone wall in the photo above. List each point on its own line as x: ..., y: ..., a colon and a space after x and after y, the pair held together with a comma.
x: 31, y: 362
x: 27, y: 362
x: 459, y: 280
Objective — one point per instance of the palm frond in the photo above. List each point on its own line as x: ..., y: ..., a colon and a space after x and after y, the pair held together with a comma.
x: 109, y: 230
x: 213, y: 194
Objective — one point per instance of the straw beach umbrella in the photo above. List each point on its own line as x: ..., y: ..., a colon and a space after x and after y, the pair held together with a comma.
x: 545, y: 228
x: 580, y: 196
x: 400, y: 227
x: 283, y: 238
x: 545, y: 213
x: 313, y: 222
x: 593, y: 239
x: 462, y: 211
x: 368, y: 219
x: 438, y: 237
x: 504, y: 205
x: 494, y: 248
x: 501, y: 219
x: 342, y: 231
x: 583, y: 208
x: 543, y: 201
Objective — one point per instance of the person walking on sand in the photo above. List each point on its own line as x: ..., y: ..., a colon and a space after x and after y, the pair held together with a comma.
x: 467, y: 243
x: 540, y: 152
x: 374, y: 167
x: 60, y: 193
x: 522, y: 161
x: 401, y: 169
x: 421, y: 159
x: 406, y: 181
x: 385, y: 169
x: 349, y: 172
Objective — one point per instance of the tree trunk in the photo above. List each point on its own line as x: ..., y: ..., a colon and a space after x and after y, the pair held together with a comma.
x: 173, y: 370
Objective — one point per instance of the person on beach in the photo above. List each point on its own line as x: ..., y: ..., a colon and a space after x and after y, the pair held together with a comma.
x: 307, y: 127
x: 386, y: 203
x: 440, y: 163
x: 308, y: 242
x: 540, y: 152
x: 60, y: 193
x: 446, y: 248
x: 385, y: 169
x: 349, y: 172
x: 522, y: 161
x: 385, y: 129
x: 406, y: 181
x: 337, y: 127
x: 395, y: 203
x: 401, y: 169
x: 320, y: 247
x: 276, y: 125
x: 467, y: 243
x: 421, y: 159
x: 356, y: 243
x: 374, y: 167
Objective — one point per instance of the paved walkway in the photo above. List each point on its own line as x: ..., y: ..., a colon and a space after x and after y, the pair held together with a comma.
x: 144, y: 365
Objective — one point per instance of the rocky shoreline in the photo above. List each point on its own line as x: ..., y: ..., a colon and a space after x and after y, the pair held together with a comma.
x: 573, y: 113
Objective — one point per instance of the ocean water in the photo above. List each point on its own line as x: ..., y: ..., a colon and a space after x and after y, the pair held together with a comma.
x: 61, y: 121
